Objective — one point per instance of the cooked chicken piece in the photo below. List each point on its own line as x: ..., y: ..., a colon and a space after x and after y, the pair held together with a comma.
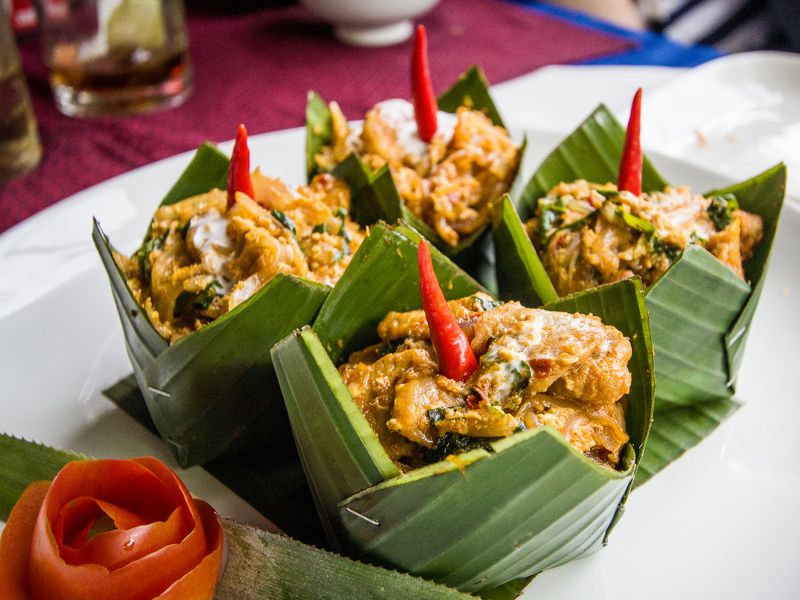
x: 603, y: 376
x: 380, y: 138
x: 751, y: 232
x: 413, y: 398
x: 536, y: 367
x: 373, y: 384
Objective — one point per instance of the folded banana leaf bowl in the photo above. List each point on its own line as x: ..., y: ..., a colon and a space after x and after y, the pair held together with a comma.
x: 375, y: 191
x: 490, y: 517
x: 214, y: 390
x: 700, y: 311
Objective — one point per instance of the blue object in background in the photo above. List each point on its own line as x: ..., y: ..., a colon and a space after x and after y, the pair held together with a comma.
x: 654, y: 49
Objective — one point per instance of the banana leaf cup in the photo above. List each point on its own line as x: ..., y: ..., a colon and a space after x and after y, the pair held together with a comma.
x: 213, y: 391
x: 700, y: 311
x: 482, y: 521
x: 375, y: 196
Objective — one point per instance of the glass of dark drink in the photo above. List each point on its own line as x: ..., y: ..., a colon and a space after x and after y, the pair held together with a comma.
x: 116, y: 57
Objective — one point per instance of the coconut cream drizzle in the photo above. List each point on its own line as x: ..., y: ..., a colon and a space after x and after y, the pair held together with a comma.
x: 399, y: 114
x: 207, y: 238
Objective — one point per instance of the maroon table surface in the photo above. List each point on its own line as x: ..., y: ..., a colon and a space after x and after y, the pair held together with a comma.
x: 257, y: 67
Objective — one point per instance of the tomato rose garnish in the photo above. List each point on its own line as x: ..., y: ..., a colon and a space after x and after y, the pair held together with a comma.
x: 122, y: 529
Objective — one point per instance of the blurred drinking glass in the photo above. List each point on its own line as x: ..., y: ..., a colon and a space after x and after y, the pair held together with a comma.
x: 19, y: 142
x: 116, y: 57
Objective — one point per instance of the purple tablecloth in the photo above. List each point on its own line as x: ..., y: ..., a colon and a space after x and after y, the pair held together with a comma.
x: 256, y: 68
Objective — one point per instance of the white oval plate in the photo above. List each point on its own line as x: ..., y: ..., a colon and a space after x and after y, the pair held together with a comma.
x: 723, y: 521
x: 732, y: 115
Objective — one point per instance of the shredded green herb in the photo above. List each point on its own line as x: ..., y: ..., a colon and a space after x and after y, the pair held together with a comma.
x: 284, y: 220
x: 485, y: 304
x: 204, y: 298
x: 143, y: 255
x: 390, y: 346
x: 521, y: 373
x: 578, y: 223
x: 548, y: 221
x: 341, y: 214
x: 435, y: 415
x: 720, y: 211
x: 454, y: 443
x: 671, y: 251
x: 186, y: 301
x: 636, y: 223
x: 183, y: 229
x: 607, y: 193
x: 550, y: 213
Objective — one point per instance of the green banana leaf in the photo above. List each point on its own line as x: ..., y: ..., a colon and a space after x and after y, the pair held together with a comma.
x: 374, y: 195
x: 23, y: 462
x: 259, y: 564
x: 319, y: 131
x: 471, y: 89
x: 214, y: 391
x: 699, y: 312
x: 510, y: 523
x: 386, y: 268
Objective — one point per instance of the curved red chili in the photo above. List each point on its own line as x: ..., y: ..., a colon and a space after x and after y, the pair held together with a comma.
x: 456, y: 358
x: 425, y: 105
x: 239, y: 179
x: 630, y: 167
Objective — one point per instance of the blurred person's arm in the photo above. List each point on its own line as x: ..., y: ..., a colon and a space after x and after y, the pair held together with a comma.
x: 620, y: 12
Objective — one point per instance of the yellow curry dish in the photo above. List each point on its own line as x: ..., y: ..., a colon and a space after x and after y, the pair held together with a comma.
x: 451, y: 182
x: 588, y: 234
x: 203, y: 257
x: 535, y: 368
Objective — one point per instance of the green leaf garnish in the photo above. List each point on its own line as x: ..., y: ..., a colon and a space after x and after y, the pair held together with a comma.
x: 671, y: 251
x: 435, y: 415
x: 204, y: 299
x: 636, y: 223
x: 284, y: 220
x: 720, y: 211
x: 485, y: 303
x: 143, y: 254
x: 453, y: 443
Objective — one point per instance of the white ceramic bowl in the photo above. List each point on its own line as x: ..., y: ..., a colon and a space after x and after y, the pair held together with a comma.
x: 370, y: 22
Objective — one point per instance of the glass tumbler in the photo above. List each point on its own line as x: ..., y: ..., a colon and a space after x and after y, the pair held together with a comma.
x: 20, y: 150
x: 116, y: 57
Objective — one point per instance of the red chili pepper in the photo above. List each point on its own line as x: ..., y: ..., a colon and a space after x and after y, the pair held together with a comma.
x: 239, y: 172
x: 630, y: 167
x: 455, y: 356
x: 425, y: 105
